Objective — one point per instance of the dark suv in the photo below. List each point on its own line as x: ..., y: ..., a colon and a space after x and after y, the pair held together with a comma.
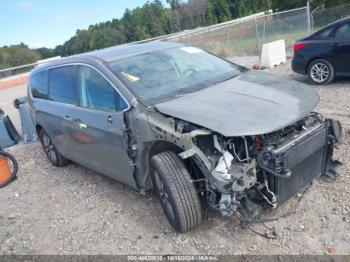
x: 325, y: 54
x: 187, y: 123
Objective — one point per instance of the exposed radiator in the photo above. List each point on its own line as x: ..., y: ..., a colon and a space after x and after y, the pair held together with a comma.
x: 305, y: 157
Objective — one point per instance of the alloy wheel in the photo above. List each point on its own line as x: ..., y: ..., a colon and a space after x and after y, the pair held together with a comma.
x: 320, y: 72
x: 49, y: 148
x: 164, y: 197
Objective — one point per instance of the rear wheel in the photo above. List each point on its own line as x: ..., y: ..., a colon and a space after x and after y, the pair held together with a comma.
x: 321, y: 72
x: 178, y: 196
x: 53, y: 155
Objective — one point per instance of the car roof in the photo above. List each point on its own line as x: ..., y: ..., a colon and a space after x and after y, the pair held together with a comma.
x: 128, y: 50
x: 342, y: 20
x: 345, y: 19
x: 111, y: 53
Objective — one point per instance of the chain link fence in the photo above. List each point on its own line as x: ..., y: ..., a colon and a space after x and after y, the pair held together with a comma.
x: 234, y: 38
x: 5, y: 73
x: 290, y: 26
x: 245, y: 36
x: 242, y: 37
x: 321, y: 17
x: 13, y: 71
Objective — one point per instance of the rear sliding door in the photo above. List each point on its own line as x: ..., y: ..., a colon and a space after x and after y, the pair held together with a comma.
x: 62, y: 101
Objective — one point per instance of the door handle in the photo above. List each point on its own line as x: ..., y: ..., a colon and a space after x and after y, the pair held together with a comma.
x: 80, y: 123
x: 110, y: 119
x: 68, y: 118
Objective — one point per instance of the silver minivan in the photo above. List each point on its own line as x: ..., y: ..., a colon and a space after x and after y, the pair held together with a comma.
x: 195, y: 127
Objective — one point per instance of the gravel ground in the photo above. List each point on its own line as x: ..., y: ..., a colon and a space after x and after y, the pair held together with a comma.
x: 73, y: 210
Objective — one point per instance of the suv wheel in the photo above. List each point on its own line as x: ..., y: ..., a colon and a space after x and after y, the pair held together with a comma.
x: 54, y: 156
x: 179, y: 199
x: 321, y: 72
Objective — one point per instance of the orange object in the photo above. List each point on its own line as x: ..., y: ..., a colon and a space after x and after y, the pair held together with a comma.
x: 257, y: 142
x: 5, y: 172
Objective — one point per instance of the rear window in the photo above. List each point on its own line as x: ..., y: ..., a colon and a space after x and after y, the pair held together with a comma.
x: 325, y: 32
x: 63, y: 84
x: 343, y: 31
x: 38, y: 84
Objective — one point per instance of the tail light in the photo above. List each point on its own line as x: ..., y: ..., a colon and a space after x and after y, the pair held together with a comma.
x: 298, y: 47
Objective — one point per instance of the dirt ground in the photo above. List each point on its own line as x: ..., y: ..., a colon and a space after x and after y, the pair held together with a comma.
x: 73, y: 210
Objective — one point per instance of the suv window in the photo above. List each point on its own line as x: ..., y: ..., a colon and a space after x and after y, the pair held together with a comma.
x: 38, y: 84
x: 63, y: 85
x: 97, y: 93
x: 343, y: 31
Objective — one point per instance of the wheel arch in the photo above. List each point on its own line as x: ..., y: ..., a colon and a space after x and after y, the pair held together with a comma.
x: 151, y: 150
x: 38, y: 129
x: 161, y: 146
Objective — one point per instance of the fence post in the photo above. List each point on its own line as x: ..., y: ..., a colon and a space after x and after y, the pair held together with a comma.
x: 187, y: 38
x: 257, y: 39
x: 308, y: 14
x: 313, y: 19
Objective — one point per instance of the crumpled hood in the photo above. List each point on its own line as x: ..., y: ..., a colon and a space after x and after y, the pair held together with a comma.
x: 251, y: 104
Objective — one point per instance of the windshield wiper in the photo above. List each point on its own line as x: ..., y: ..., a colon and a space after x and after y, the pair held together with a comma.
x: 224, y: 80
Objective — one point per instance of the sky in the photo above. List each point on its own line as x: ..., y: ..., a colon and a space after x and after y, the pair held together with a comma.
x: 47, y: 23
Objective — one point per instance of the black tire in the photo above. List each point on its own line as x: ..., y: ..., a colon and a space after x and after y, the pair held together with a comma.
x: 315, y: 70
x: 184, y: 212
x: 50, y: 150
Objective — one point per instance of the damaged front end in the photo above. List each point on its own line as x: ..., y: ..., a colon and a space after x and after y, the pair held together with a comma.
x: 249, y: 173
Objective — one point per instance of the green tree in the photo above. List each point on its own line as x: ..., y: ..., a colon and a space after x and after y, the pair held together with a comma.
x: 16, y: 55
x: 278, y: 5
x: 44, y: 52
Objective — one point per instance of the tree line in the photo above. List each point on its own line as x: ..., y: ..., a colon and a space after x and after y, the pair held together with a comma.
x: 151, y: 20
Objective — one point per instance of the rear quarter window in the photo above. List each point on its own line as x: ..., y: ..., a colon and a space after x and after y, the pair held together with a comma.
x: 38, y: 84
x: 63, y: 84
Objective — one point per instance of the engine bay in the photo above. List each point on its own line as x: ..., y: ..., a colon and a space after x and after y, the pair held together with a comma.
x: 250, y: 173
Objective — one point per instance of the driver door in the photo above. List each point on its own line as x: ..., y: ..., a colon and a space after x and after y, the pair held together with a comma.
x: 98, y: 126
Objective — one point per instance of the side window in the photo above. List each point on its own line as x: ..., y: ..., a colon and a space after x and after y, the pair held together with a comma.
x: 325, y: 32
x: 63, y: 85
x: 97, y: 93
x: 343, y: 31
x: 38, y: 84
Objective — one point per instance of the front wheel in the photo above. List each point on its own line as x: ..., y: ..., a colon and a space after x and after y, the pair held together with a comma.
x: 178, y: 196
x: 321, y: 72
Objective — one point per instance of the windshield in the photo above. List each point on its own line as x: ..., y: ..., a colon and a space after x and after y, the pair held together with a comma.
x: 166, y: 74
